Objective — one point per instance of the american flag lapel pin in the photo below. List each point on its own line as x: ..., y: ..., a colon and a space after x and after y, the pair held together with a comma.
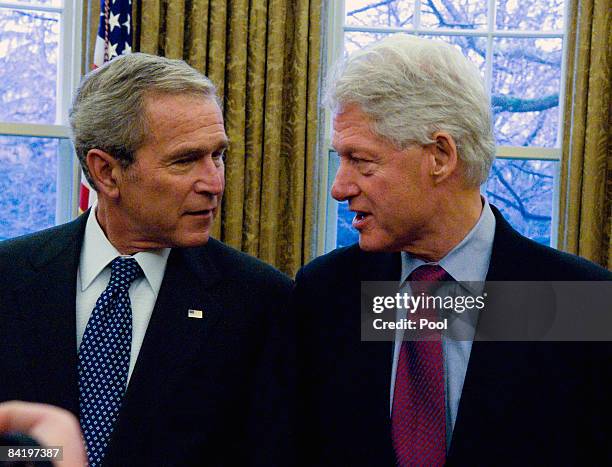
x: 197, y: 314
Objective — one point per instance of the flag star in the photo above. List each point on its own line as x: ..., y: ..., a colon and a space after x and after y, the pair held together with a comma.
x: 112, y: 51
x: 113, y: 21
x: 127, y: 24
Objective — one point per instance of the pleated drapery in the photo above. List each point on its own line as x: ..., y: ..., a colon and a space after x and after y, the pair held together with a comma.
x: 586, y: 171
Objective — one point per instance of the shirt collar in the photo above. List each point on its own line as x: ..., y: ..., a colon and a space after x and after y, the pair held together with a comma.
x: 469, y: 260
x: 97, y: 252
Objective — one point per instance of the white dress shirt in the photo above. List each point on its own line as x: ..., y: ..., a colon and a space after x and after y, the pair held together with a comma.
x: 93, y: 276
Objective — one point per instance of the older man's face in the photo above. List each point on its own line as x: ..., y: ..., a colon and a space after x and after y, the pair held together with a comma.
x: 388, y: 189
x: 172, y: 191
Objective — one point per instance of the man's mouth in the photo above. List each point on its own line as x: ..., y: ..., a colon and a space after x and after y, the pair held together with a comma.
x: 203, y: 212
x: 360, y: 218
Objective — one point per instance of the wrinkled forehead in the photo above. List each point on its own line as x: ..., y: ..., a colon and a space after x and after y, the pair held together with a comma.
x: 173, y: 117
x: 350, y: 114
x: 158, y: 106
x: 152, y: 99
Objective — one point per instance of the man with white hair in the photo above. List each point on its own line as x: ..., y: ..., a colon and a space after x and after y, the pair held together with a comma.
x: 412, y: 128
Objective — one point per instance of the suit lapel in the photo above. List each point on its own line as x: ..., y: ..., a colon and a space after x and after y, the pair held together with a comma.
x: 493, y: 384
x: 496, y: 370
x: 377, y: 357
x: 504, y: 264
x: 49, y: 318
x: 173, y: 339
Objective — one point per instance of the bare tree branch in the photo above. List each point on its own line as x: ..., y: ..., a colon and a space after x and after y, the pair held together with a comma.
x: 523, y: 53
x: 536, y: 130
x: 456, y: 15
x: 518, y: 202
x: 35, y: 16
x: 522, y: 168
x: 509, y: 203
x: 368, y: 7
x: 503, y: 103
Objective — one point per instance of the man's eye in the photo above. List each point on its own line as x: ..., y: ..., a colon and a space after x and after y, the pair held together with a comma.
x: 357, y: 160
x: 218, y: 156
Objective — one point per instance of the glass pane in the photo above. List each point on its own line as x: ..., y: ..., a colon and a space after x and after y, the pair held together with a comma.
x: 534, y: 15
x: 474, y: 48
x: 523, y: 191
x: 346, y: 234
x: 52, y: 3
x: 391, y: 13
x: 460, y: 14
x: 526, y: 84
x: 357, y: 40
x: 28, y: 174
x: 28, y: 65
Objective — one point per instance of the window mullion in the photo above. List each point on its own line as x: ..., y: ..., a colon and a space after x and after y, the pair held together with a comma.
x: 521, y: 152
x: 64, y: 192
x: 489, y: 53
x: 34, y: 129
x: 453, y: 32
x: 69, y: 66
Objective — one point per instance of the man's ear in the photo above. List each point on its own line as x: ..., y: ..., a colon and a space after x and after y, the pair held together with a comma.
x: 104, y: 170
x: 444, y: 156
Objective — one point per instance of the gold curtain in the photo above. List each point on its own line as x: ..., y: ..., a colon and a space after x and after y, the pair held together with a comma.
x: 263, y: 56
x: 586, y: 171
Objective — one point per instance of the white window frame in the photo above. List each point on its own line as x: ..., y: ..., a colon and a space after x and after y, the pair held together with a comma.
x: 327, y: 214
x: 68, y: 76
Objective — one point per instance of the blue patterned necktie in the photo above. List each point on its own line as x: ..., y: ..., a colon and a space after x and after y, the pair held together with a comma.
x: 104, y: 358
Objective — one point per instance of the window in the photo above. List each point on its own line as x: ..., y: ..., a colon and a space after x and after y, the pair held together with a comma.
x: 39, y: 68
x: 518, y: 47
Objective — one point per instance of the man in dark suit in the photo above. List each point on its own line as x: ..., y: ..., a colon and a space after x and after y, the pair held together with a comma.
x: 412, y: 129
x: 131, y: 317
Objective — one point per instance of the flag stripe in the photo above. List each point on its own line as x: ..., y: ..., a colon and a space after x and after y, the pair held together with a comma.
x: 114, y: 38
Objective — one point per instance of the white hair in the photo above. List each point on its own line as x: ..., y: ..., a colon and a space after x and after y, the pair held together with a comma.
x: 411, y: 88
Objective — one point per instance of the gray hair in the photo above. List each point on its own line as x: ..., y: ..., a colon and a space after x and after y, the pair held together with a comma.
x: 109, y: 109
x: 412, y: 87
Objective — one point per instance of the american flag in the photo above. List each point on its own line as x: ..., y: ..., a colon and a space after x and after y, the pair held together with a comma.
x: 114, y: 38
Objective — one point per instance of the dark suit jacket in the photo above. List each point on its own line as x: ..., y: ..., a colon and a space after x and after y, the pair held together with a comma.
x: 522, y: 403
x: 194, y: 385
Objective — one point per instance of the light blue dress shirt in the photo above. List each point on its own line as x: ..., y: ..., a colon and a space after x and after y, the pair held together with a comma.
x: 468, y: 261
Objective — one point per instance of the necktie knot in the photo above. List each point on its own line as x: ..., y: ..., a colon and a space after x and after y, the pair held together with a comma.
x: 427, y: 278
x: 124, y: 271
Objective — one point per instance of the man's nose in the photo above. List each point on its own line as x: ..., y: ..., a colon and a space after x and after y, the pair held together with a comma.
x: 344, y: 187
x: 211, y: 177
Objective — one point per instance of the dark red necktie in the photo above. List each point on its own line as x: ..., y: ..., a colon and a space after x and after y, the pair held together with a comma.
x: 418, y: 418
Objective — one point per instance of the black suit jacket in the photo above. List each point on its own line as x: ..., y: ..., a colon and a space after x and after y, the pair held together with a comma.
x: 192, y: 397
x: 522, y: 403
